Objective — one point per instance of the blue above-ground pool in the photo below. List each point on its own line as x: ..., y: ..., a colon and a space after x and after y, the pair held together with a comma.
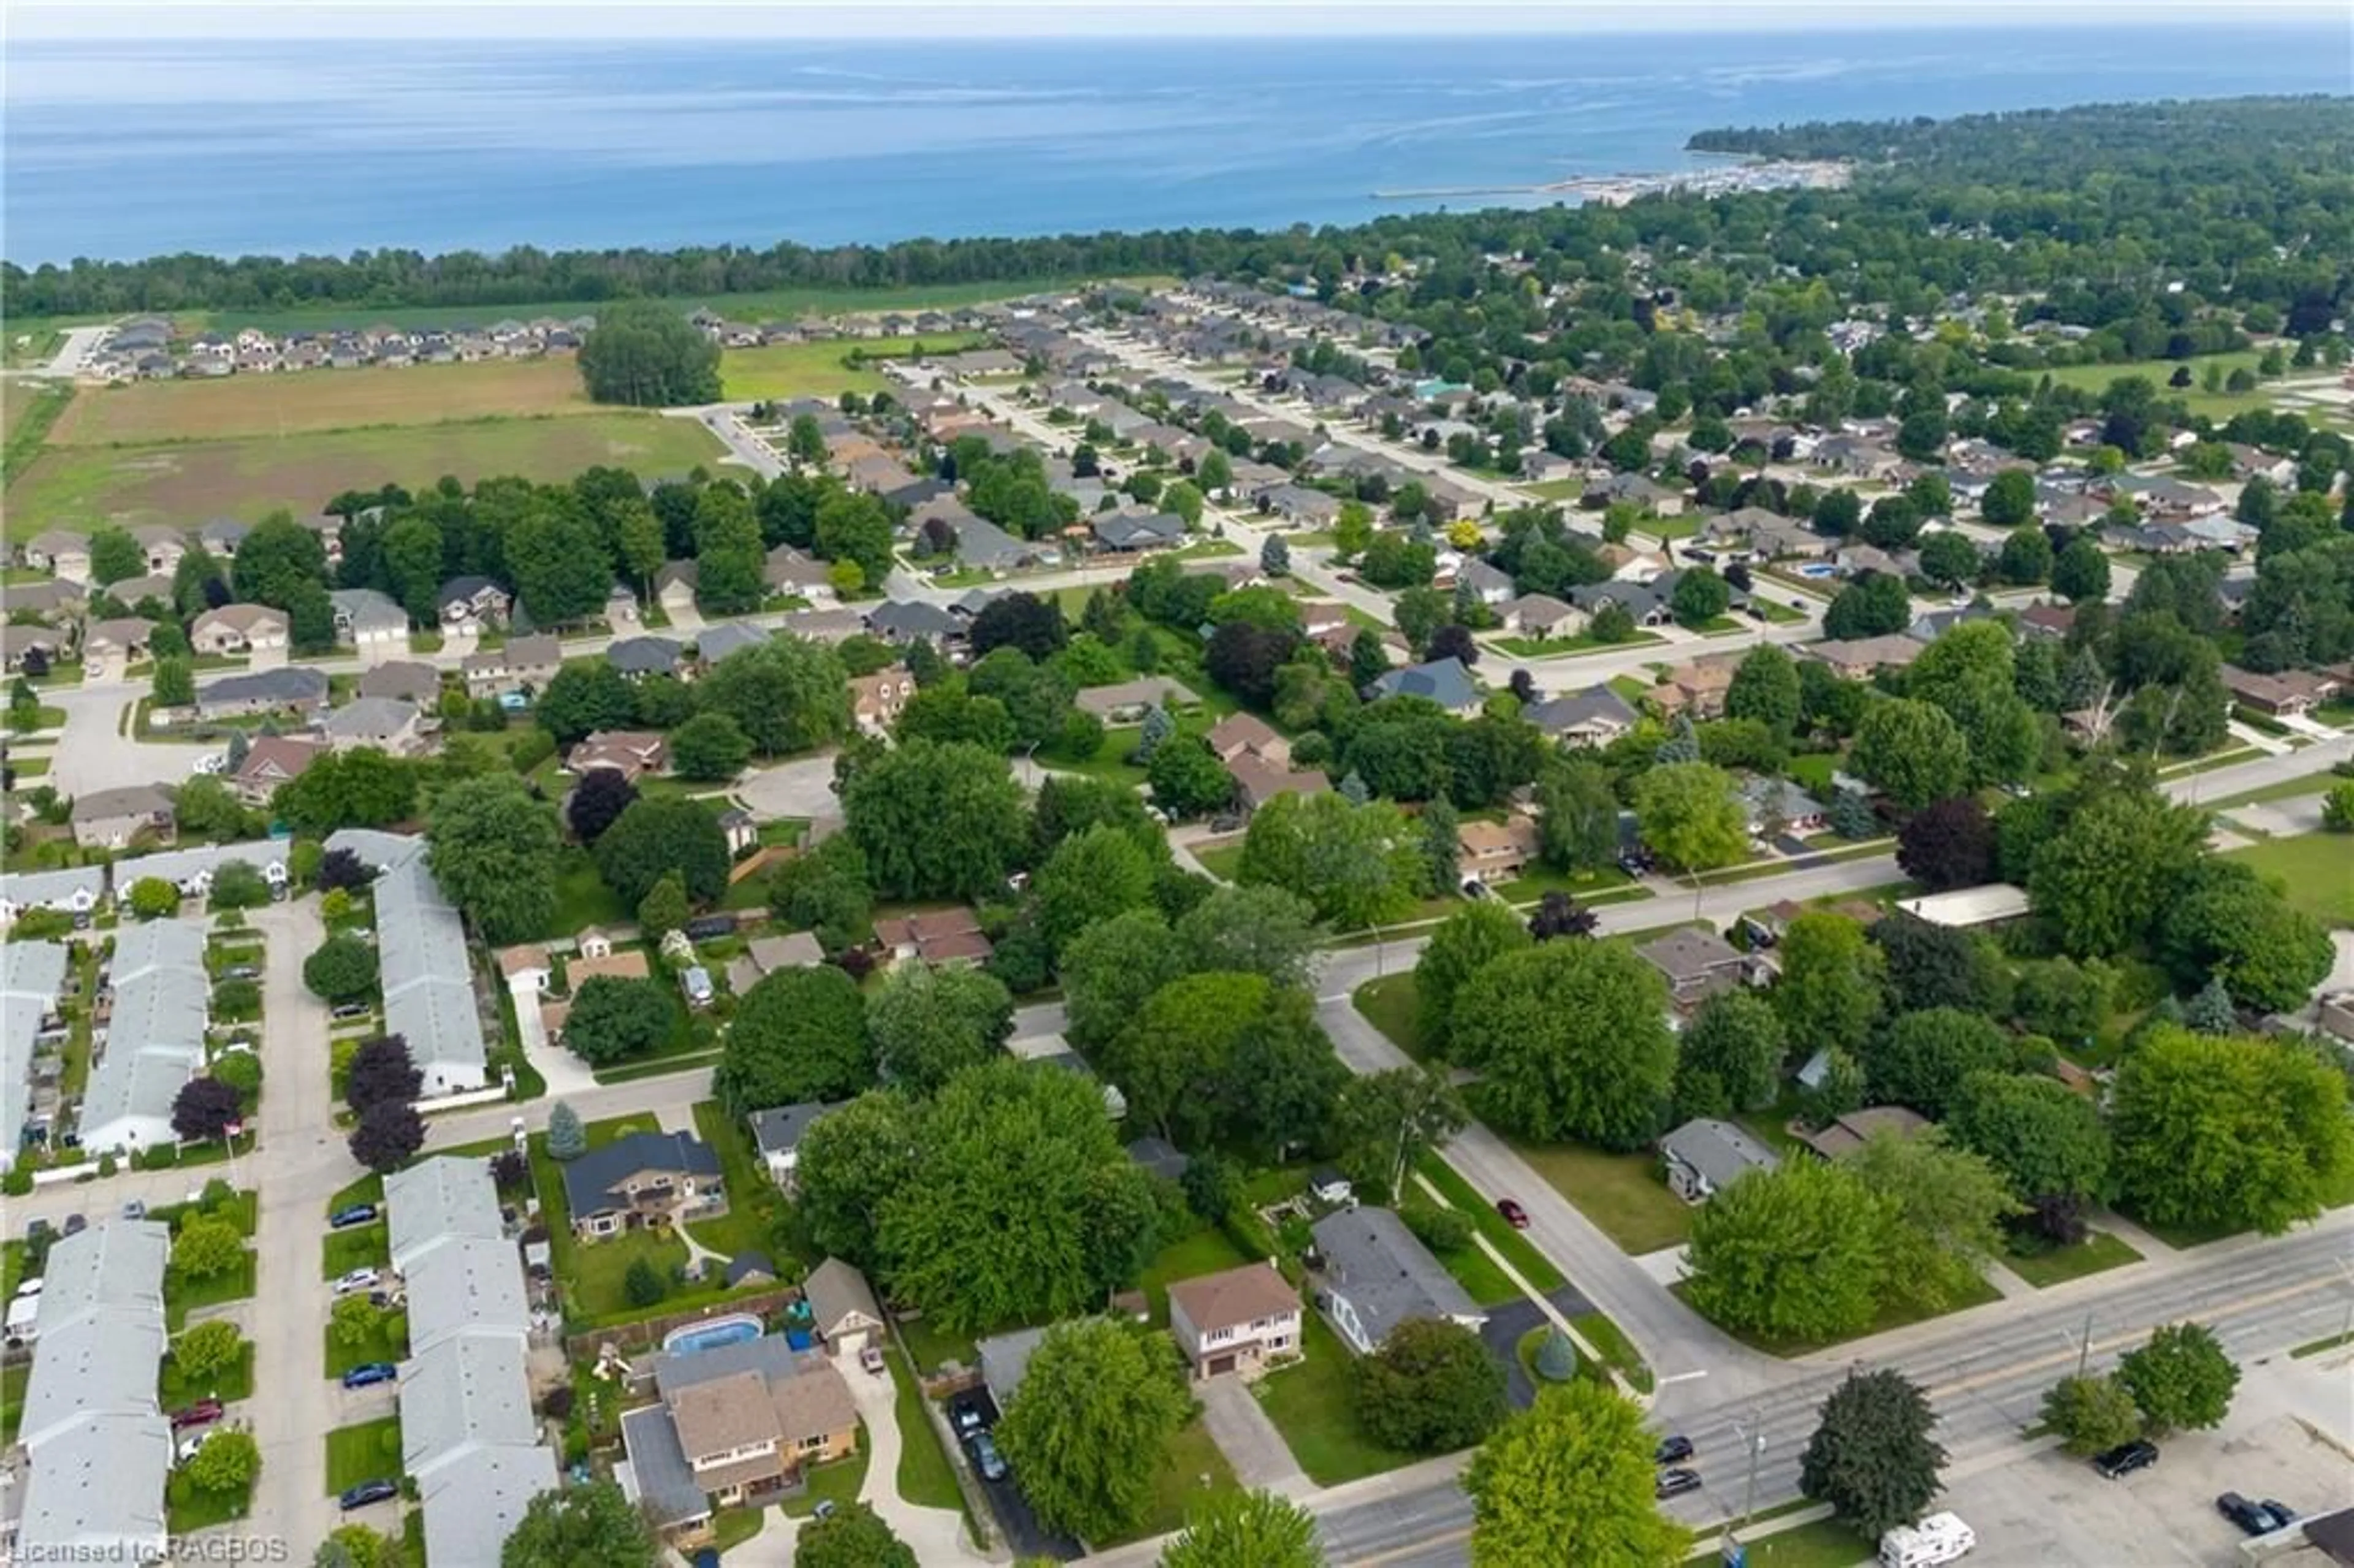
x: 709, y: 1336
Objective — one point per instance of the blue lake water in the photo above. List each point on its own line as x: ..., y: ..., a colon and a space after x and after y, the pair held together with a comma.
x: 128, y: 150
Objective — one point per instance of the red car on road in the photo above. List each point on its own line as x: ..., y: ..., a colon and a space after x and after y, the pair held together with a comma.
x: 1514, y: 1216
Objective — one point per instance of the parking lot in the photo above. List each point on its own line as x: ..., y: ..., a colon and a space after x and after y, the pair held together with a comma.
x: 2282, y: 1440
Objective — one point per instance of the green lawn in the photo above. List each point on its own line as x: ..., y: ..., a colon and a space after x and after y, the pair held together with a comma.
x: 1518, y: 1250
x: 1224, y: 862
x: 2317, y: 871
x: 388, y: 1343
x: 1539, y: 880
x: 745, y: 1227
x: 2159, y: 372
x: 369, y: 1189
x: 581, y: 897
x: 823, y: 368
x: 13, y: 1382
x: 236, y: 1383
x: 362, y: 1246
x: 927, y: 1477
x: 185, y: 1509
x: 730, y: 1527
x: 1389, y: 1004
x: 1477, y: 1273
x: 365, y: 1452
x: 1897, y: 1314
x: 933, y: 1345
x: 1313, y: 1404
x: 1556, y: 489
x: 1191, y: 1469
x: 1820, y: 1544
x: 1561, y: 647
x: 183, y: 1295
x: 836, y: 1483
x: 1622, y: 1193
x: 1206, y: 1251
x: 2096, y: 1252
x: 1616, y: 1348
x: 2286, y: 790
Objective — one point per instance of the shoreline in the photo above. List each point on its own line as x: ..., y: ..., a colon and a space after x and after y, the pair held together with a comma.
x: 1619, y: 188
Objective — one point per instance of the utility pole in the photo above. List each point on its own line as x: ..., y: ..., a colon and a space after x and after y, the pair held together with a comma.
x: 1752, y: 1437
x: 2084, y: 1346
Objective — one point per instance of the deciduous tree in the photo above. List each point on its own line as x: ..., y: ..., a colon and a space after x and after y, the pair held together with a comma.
x: 937, y: 821
x: 928, y: 1024
x: 1922, y: 1059
x: 206, y: 1247
x: 613, y: 1018
x: 1947, y: 843
x: 1466, y: 942
x: 786, y: 695
x: 2227, y: 1132
x: 567, y: 1526
x: 387, y: 1136
x: 2046, y: 1140
x: 1358, y: 865
x: 1246, y: 1530
x: 2181, y: 1379
x: 1383, y: 1122
x: 1258, y: 930
x: 205, y: 1109
x: 1570, y: 1480
x: 203, y: 1350
x: 2091, y: 1414
x: 1090, y: 1429
x: 1912, y: 751
x: 645, y: 354
x: 1735, y: 1042
x: 1872, y: 1456
x: 493, y: 848
x: 798, y: 1035
x: 341, y: 969
x: 1799, y: 1253
x: 709, y: 748
x: 1949, y: 1207
x: 853, y: 1536
x: 659, y: 835
x: 1431, y: 1388
x: 1572, y: 1041
x: 1829, y: 992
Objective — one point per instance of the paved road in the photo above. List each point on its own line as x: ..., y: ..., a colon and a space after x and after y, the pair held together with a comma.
x: 1986, y: 1370
x: 67, y: 360
x: 298, y: 1163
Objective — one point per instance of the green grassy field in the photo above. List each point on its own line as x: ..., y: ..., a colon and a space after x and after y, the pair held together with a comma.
x: 2096, y: 1253
x: 81, y: 488
x: 1313, y: 1404
x: 365, y: 1452
x: 2316, y: 869
x: 824, y: 370
x: 2219, y: 405
x: 1622, y: 1193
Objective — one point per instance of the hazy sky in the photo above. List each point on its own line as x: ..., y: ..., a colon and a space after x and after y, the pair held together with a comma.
x: 36, y: 19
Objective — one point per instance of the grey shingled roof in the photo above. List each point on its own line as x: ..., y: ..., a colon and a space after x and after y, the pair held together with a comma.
x: 155, y: 1038
x: 429, y: 997
x: 588, y: 1180
x: 1722, y: 1153
x: 444, y: 1199
x: 35, y: 973
x: 1557, y: 715
x: 1005, y: 1362
x: 468, y: 1393
x: 781, y: 1128
x: 1443, y: 681
x: 658, y: 1474
x: 95, y: 1491
x: 471, y: 1508
x: 465, y: 1286
x: 295, y: 685
x: 1373, y: 1259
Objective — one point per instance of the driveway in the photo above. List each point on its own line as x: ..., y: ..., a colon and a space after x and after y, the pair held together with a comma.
x: 1025, y: 1536
x: 564, y: 1072
x: 1505, y: 1325
x: 801, y: 787
x: 936, y: 1535
x: 1249, y: 1440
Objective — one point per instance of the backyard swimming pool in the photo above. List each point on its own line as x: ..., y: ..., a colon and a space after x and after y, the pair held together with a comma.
x: 711, y: 1336
x: 1818, y: 569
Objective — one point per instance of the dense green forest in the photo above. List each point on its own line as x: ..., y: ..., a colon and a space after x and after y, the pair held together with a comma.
x: 2101, y: 208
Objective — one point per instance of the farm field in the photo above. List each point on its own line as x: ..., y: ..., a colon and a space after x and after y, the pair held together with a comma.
x: 296, y: 402
x: 775, y: 303
x: 823, y: 369
x: 81, y: 488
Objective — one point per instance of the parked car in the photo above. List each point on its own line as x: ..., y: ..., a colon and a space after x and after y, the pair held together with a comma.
x: 368, y: 1492
x: 192, y: 1442
x: 358, y: 1214
x: 2253, y: 1519
x: 2125, y: 1458
x: 350, y: 1010
x: 241, y: 971
x: 986, y: 1458
x: 1514, y: 1216
x: 823, y: 1509
x: 136, y: 1209
x: 1672, y: 1450
x: 28, y: 1290
x: 1675, y: 1483
x: 358, y: 1279
x: 2283, y: 1515
x: 872, y: 1360
x: 203, y: 1413
x: 965, y: 1414
x: 76, y: 1224
x: 35, y: 1229
x: 368, y: 1373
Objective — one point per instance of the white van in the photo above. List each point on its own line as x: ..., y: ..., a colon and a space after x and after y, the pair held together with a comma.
x: 1940, y: 1538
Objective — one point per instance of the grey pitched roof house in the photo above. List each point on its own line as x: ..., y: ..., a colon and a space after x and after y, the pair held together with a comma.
x: 1443, y: 681
x: 1705, y: 1156
x: 1375, y: 1276
x: 428, y: 997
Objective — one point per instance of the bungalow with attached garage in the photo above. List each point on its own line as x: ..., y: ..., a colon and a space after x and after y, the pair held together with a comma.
x: 299, y: 690
x: 164, y: 544
x: 110, y: 819
x: 18, y: 642
x: 714, y: 643
x: 73, y: 890
x: 1257, y: 780
x: 638, y: 657
x: 1299, y: 505
x: 906, y: 620
x: 643, y: 1180
x: 385, y: 724
x: 1443, y: 680
x: 221, y: 537
x: 1850, y: 1133
x: 790, y: 572
x: 1538, y: 615
x: 124, y: 637
x: 937, y: 937
x: 269, y: 761
x: 1594, y: 716
x: 1493, y: 585
x: 675, y: 585
x: 410, y: 681
x: 1237, y: 1320
x: 237, y: 628
x: 630, y: 753
x: 1858, y: 658
x: 1776, y: 803
x: 368, y: 622
x: 472, y: 601
x: 1372, y: 1275
x: 1697, y: 965
x: 2290, y: 693
x: 1704, y: 1156
x: 1128, y: 531
x: 58, y: 553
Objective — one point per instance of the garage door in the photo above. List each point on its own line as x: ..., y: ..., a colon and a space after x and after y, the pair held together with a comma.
x: 850, y: 1343
x: 1221, y: 1365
